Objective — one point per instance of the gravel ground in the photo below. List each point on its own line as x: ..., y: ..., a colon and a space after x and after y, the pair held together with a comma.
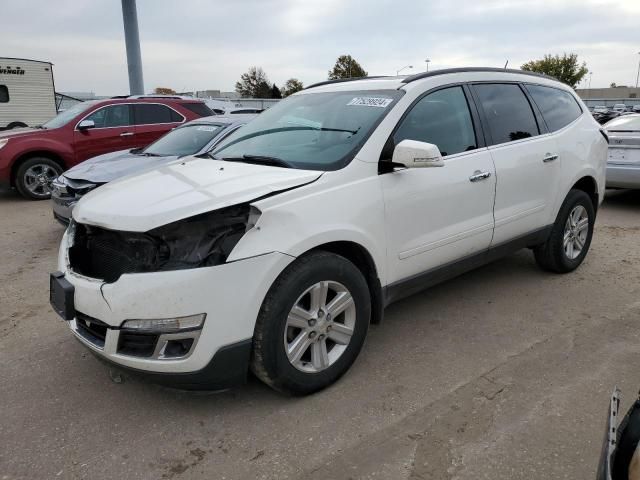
x: 503, y: 373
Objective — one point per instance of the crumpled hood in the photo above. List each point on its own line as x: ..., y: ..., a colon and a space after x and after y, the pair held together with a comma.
x: 180, y: 190
x: 111, y: 166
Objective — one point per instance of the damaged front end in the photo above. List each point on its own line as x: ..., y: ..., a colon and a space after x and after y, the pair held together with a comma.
x: 203, y: 240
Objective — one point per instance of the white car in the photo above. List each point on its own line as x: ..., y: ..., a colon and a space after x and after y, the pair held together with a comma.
x: 623, y: 163
x: 619, y: 107
x: 276, y: 254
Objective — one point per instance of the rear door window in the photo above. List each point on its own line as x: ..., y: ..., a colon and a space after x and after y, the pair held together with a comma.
x: 507, y: 112
x: 441, y: 118
x: 151, y: 113
x: 559, y: 108
x: 112, y: 116
x: 4, y: 94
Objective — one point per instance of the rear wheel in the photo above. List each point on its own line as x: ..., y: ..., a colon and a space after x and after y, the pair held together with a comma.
x: 312, y: 324
x: 570, y: 236
x: 34, y: 177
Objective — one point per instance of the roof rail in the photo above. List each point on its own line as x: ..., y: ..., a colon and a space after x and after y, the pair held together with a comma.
x: 444, y: 71
x: 343, y: 80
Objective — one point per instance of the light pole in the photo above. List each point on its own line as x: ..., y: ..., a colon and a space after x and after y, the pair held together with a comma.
x: 427, y: 61
x: 132, y: 42
x: 638, y: 75
x: 398, y: 71
x: 589, y: 87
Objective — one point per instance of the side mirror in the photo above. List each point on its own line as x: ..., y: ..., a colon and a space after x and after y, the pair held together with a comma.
x: 414, y: 154
x: 86, y: 124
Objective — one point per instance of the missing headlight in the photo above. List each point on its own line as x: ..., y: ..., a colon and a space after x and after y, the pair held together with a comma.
x: 201, y: 241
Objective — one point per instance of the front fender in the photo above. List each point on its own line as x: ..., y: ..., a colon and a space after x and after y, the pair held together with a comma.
x: 309, y: 217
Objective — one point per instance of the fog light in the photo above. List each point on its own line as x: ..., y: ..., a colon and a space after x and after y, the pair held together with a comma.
x: 166, y: 325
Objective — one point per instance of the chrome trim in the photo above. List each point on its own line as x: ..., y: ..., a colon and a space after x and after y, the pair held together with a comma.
x: 478, y: 175
x: 184, y: 119
x: 549, y: 158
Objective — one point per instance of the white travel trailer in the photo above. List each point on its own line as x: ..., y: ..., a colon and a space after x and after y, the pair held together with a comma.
x: 27, y: 93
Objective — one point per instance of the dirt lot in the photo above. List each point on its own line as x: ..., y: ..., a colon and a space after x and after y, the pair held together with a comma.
x: 503, y: 373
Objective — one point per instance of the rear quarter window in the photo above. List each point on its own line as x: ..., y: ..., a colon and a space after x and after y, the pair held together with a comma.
x: 558, y: 108
x: 152, y: 113
x: 198, y: 108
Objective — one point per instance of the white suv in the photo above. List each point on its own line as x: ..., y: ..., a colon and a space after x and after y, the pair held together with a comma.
x: 276, y: 254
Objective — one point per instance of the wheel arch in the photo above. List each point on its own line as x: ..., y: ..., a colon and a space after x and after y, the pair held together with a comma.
x: 17, y: 124
x: 36, y: 153
x: 589, y: 186
x: 363, y: 260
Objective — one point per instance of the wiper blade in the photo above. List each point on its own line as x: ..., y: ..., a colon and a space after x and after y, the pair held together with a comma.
x: 148, y: 154
x: 259, y: 159
x: 325, y: 129
x: 207, y: 155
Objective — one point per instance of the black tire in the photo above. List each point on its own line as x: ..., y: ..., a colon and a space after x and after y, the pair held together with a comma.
x: 16, y: 125
x: 269, y: 360
x: 551, y: 255
x: 24, y: 178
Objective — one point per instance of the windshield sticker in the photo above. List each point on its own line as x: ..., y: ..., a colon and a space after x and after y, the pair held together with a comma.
x: 370, y: 102
x: 205, y: 128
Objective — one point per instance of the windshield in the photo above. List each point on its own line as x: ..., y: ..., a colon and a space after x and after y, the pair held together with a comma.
x: 625, y: 123
x: 185, y: 140
x: 316, y: 131
x: 65, y: 117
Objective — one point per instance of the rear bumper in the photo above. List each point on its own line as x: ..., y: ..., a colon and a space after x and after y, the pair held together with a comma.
x: 623, y: 176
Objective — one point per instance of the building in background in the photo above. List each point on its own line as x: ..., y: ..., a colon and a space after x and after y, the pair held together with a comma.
x: 610, y: 96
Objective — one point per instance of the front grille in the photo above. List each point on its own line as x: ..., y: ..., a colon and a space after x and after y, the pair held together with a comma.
x: 91, y: 329
x: 203, y: 240
x: 137, y: 344
x: 107, y: 254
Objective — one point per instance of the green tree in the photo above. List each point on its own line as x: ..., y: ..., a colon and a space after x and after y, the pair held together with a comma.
x: 275, y: 92
x: 565, y: 68
x: 254, y: 84
x: 346, y: 67
x: 291, y: 86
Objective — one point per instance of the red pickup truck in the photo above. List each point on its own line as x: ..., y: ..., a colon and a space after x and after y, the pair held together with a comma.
x: 31, y: 158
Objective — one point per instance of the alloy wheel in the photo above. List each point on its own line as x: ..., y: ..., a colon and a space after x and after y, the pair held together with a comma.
x: 319, y: 326
x: 576, y: 230
x: 38, y: 179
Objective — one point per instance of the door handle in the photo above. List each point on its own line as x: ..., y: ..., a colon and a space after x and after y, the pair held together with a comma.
x: 550, y: 157
x: 126, y: 134
x: 478, y: 175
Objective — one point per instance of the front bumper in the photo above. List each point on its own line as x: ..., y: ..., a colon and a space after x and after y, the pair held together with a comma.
x: 623, y: 176
x: 63, y: 206
x: 230, y: 295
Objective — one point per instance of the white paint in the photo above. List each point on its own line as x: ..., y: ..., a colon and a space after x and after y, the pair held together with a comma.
x: 409, y: 220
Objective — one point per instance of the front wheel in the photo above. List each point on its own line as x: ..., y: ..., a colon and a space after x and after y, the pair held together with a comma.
x: 34, y: 177
x: 570, y: 236
x: 312, y: 324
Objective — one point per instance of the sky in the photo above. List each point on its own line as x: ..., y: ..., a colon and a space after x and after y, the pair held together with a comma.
x: 207, y: 44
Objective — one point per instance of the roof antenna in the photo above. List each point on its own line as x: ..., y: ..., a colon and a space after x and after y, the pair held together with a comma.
x: 505, y: 65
